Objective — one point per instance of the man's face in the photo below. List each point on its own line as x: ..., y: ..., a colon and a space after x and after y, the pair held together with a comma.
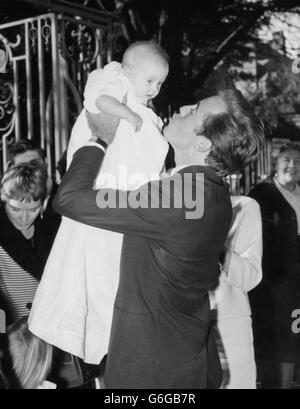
x: 182, y: 128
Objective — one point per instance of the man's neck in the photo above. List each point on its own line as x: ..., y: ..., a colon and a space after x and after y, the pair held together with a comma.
x: 183, y: 158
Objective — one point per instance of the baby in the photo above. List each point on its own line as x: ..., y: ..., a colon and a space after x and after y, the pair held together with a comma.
x: 138, y: 146
x: 74, y: 302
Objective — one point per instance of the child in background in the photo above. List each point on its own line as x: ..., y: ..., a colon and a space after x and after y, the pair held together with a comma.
x: 31, y: 363
x: 31, y: 357
x: 74, y: 303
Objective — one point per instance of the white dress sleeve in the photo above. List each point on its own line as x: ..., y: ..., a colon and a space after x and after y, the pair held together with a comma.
x: 103, y: 81
x: 107, y: 81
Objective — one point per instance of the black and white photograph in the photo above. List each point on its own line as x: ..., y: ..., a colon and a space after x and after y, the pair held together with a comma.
x: 150, y: 197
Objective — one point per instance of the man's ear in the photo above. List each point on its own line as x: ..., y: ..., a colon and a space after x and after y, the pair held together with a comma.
x: 202, y: 144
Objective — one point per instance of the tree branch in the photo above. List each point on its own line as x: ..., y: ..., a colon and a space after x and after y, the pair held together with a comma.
x: 226, y: 46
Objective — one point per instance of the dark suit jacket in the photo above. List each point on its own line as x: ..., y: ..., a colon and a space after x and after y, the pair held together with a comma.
x: 161, y: 314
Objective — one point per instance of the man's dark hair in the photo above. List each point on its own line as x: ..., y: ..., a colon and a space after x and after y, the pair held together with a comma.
x: 22, y: 146
x: 236, y: 135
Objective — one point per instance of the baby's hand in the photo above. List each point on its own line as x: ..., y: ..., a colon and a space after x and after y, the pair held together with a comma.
x: 135, y: 120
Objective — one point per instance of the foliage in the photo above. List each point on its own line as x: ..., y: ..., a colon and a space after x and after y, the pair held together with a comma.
x: 279, y: 100
x: 198, y: 35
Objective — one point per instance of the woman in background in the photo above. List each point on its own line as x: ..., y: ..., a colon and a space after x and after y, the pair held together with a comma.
x: 278, y: 295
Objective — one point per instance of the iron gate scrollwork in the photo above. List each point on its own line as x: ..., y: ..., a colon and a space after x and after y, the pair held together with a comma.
x: 42, y: 77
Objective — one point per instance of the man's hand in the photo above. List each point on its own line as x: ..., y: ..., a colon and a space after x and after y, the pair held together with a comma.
x: 103, y: 126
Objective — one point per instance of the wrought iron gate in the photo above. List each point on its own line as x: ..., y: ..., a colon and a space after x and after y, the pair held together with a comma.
x: 47, y: 60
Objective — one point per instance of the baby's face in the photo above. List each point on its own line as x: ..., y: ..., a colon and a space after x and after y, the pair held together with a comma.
x: 147, y: 76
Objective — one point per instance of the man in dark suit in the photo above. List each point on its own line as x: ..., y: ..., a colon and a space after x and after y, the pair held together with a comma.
x: 174, y: 230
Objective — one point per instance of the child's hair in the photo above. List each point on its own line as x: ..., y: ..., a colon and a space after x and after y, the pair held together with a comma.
x: 141, y: 48
x: 23, y: 146
x: 25, y: 182
x: 31, y: 356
